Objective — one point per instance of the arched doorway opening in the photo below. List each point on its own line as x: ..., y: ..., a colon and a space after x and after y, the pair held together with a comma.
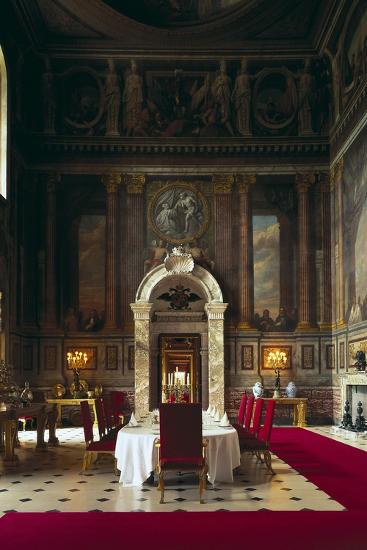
x: 156, y: 319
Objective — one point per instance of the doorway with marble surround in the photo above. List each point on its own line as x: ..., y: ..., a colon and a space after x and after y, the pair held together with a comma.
x: 164, y: 306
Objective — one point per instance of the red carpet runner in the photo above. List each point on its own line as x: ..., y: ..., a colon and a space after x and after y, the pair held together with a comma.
x: 336, y: 468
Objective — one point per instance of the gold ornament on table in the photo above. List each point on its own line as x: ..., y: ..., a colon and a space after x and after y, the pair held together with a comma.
x: 98, y: 390
x: 59, y: 391
x: 77, y: 361
x: 277, y: 360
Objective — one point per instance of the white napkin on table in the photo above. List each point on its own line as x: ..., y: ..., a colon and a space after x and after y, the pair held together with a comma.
x: 133, y: 421
x: 224, y: 421
x: 209, y: 409
x: 217, y: 416
x: 213, y: 411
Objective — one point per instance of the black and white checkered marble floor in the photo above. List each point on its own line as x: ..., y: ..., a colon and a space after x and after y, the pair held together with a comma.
x: 52, y: 481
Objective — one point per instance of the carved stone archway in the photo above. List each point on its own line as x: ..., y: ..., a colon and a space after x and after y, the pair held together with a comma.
x: 214, y: 310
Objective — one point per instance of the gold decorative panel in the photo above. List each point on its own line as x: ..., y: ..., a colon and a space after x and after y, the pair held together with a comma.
x: 330, y: 356
x: 308, y: 357
x: 247, y: 358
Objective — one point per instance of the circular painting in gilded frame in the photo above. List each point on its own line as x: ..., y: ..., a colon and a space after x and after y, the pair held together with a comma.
x: 179, y: 213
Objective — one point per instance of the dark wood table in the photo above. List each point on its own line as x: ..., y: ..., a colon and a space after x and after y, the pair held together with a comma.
x: 9, y: 418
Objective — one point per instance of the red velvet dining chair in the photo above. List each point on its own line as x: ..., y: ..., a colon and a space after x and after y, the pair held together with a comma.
x: 120, y: 406
x: 260, y: 444
x: 254, y: 428
x: 241, y: 411
x: 101, y: 421
x: 181, y: 446
x: 93, y: 448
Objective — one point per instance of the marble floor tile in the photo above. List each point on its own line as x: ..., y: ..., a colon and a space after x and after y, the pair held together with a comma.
x: 52, y: 481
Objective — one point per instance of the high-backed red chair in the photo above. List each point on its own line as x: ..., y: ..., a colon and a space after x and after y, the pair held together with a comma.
x: 108, y: 412
x: 101, y: 421
x: 181, y: 446
x: 260, y: 444
x: 120, y: 406
x: 241, y: 410
x: 248, y: 412
x: 93, y: 448
x: 256, y: 421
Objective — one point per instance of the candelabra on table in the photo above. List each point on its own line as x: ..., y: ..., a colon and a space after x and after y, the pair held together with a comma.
x: 277, y: 360
x: 176, y: 393
x: 76, y: 361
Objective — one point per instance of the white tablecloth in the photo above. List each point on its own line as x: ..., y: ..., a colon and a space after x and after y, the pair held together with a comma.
x: 137, y: 456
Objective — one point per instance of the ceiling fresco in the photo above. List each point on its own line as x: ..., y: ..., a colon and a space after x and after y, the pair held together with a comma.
x: 166, y: 13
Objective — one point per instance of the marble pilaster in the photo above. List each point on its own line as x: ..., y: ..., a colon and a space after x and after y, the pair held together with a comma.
x: 326, y: 321
x: 246, y: 252
x: 50, y: 294
x: 222, y: 186
x: 111, y: 182
x: 134, y: 271
x: 303, y: 183
x: 215, y: 314
x: 141, y: 313
x: 337, y: 180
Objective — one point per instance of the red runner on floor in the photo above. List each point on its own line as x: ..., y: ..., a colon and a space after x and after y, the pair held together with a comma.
x: 336, y: 468
x: 183, y: 531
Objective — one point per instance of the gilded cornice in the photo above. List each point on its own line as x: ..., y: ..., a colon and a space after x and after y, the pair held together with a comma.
x: 111, y: 182
x: 222, y: 183
x: 245, y: 181
x: 135, y: 183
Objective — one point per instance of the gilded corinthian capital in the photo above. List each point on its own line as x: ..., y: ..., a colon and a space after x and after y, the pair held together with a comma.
x: 245, y: 181
x: 222, y: 183
x: 111, y: 182
x: 135, y: 183
x: 304, y: 181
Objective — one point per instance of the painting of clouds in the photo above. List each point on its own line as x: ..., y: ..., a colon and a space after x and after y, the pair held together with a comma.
x: 92, y: 263
x: 266, y: 264
x: 355, y: 229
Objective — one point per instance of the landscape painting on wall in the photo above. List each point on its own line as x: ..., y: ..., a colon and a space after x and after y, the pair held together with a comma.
x: 355, y: 224
x: 91, y: 267
x: 266, y: 265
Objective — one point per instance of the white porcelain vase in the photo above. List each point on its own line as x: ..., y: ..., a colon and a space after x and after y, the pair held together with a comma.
x: 258, y: 390
x: 291, y: 389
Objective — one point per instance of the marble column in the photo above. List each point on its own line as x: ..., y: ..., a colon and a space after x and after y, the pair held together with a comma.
x: 134, y: 270
x: 303, y: 183
x: 112, y: 183
x: 246, y: 252
x: 326, y: 320
x: 337, y: 180
x: 215, y: 314
x: 50, y: 294
x: 142, y: 312
x: 222, y: 186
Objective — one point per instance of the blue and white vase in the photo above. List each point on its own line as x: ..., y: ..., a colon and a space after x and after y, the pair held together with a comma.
x: 291, y: 389
x: 258, y: 390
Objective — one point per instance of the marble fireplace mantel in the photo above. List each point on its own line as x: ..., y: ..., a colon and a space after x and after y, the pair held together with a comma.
x: 348, y: 380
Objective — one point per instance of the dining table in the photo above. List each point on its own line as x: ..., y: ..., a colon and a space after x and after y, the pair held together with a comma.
x: 136, y: 452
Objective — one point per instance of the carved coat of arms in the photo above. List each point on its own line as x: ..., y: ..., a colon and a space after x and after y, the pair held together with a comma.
x: 179, y: 298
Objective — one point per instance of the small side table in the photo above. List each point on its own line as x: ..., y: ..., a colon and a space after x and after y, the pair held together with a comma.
x: 299, y: 408
x: 59, y: 403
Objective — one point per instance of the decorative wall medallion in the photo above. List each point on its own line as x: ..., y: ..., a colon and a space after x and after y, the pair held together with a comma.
x: 265, y: 364
x: 308, y: 357
x: 275, y: 98
x: 111, y: 357
x: 330, y: 356
x: 247, y: 359
x: 82, y: 98
x: 179, y: 298
x: 179, y: 213
x: 50, y: 358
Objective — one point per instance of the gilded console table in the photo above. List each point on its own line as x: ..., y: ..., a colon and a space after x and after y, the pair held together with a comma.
x: 62, y: 402
x: 9, y: 429
x: 299, y: 408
